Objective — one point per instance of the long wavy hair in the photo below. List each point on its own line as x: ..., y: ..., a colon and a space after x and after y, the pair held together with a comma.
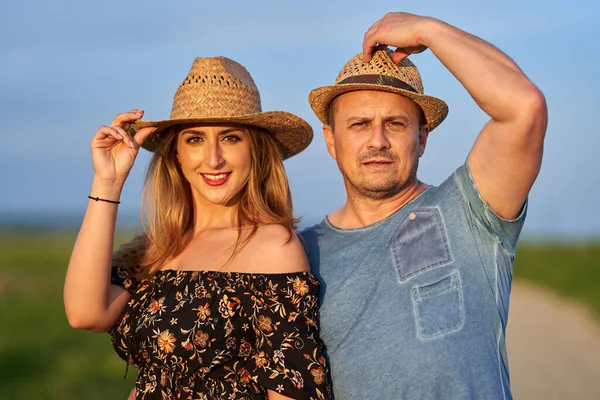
x: 168, y: 207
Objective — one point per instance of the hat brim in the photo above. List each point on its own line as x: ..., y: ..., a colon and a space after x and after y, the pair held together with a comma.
x: 435, y: 110
x: 292, y: 133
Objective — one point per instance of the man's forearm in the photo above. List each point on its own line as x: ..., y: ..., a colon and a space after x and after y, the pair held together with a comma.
x: 494, y: 81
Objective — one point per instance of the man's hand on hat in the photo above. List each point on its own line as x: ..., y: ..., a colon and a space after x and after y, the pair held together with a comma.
x: 114, y: 150
x: 401, y: 30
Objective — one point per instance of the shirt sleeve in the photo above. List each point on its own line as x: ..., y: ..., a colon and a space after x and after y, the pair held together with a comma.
x: 125, y: 277
x: 506, y: 230
x: 289, y: 353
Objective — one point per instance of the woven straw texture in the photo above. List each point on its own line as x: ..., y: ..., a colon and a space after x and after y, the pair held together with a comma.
x: 221, y: 91
x: 381, y: 64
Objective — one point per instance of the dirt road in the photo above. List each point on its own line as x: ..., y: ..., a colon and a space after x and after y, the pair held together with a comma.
x: 553, y: 346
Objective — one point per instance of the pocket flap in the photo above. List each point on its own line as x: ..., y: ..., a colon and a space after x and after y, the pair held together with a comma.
x: 420, y: 243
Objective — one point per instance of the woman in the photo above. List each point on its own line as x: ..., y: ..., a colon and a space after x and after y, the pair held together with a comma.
x: 216, y: 299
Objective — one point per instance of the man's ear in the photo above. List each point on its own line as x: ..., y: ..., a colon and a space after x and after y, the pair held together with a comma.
x: 329, y: 140
x: 423, y: 135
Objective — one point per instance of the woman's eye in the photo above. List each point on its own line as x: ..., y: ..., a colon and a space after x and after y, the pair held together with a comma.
x: 193, y: 139
x: 232, y: 138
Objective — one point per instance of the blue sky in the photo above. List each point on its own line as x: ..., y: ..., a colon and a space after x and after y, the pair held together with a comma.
x: 67, y: 67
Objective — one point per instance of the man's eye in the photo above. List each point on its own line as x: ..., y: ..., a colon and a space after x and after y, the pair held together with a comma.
x: 359, y: 124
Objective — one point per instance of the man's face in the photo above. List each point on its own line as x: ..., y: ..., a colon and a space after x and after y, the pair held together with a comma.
x: 377, y: 139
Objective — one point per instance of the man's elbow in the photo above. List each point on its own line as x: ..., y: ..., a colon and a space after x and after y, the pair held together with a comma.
x: 533, y: 111
x: 529, y: 121
x: 536, y: 105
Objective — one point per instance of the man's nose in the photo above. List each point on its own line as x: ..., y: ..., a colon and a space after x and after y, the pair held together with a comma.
x: 378, y: 139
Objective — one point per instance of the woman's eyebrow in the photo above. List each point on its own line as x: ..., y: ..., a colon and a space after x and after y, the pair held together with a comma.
x: 199, y: 131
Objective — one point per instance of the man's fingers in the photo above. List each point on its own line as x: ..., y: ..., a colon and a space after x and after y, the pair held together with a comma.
x: 142, y: 135
x: 398, y: 55
x: 370, y: 41
x: 402, y: 52
x: 125, y: 118
x: 131, y: 395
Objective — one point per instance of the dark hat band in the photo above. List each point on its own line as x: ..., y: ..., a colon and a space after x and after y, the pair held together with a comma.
x: 382, y: 80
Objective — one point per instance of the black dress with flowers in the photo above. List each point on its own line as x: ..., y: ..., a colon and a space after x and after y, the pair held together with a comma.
x: 222, y: 335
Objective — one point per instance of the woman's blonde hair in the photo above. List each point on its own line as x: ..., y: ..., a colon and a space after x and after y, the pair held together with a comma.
x: 168, y: 210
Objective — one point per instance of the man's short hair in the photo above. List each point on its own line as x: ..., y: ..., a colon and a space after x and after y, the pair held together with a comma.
x: 331, y: 112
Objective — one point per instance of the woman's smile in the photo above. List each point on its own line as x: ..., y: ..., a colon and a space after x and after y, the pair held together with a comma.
x: 216, y: 179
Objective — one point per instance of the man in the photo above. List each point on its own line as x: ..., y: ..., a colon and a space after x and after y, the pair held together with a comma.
x: 416, y: 278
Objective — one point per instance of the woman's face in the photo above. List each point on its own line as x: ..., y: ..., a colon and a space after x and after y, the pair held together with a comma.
x: 215, y: 160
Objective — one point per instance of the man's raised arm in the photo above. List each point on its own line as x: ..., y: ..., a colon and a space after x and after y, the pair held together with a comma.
x: 506, y: 157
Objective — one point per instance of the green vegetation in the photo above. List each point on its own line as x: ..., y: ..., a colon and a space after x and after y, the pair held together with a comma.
x: 41, y: 357
x: 571, y: 269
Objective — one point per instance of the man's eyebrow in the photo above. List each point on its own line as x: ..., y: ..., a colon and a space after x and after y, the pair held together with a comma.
x: 387, y: 118
x: 394, y: 117
x: 358, y: 118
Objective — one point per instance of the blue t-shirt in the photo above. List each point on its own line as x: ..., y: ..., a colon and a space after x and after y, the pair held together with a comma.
x: 415, y: 306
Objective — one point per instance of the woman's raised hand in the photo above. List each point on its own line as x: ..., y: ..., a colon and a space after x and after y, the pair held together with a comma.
x: 114, y: 150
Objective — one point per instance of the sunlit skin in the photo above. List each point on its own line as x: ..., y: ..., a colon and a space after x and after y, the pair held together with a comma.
x: 377, y: 139
x: 218, y: 152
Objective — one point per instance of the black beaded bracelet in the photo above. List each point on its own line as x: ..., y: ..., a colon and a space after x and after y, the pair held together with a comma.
x: 100, y: 199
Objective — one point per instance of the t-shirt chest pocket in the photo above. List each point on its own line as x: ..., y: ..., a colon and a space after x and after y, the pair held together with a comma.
x: 420, y: 243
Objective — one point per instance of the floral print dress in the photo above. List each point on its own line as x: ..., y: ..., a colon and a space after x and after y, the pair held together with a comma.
x: 222, y: 335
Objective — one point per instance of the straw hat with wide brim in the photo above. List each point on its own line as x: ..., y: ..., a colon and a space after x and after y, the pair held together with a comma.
x: 218, y: 90
x: 381, y: 73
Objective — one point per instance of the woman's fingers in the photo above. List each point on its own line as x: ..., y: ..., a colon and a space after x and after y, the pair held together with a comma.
x: 123, y: 122
x: 107, y: 136
x: 128, y: 140
x: 107, y: 132
x: 142, y: 135
x: 124, y: 119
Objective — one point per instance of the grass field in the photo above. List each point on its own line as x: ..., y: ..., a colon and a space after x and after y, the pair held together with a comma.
x: 41, y: 357
x: 571, y: 269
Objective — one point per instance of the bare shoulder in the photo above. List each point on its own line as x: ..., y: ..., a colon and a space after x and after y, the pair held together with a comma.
x: 272, y: 250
